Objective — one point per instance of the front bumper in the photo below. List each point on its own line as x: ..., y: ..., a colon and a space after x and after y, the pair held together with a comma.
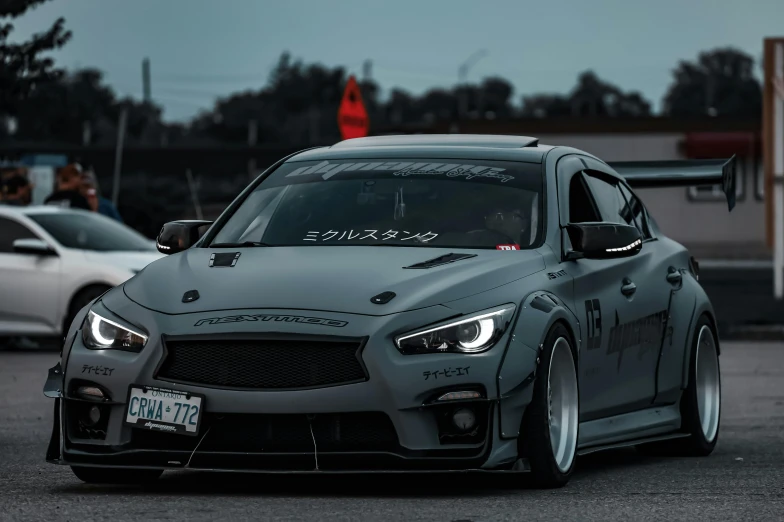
x: 387, y: 422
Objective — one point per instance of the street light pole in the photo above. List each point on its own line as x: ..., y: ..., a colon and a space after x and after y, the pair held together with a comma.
x: 462, y: 75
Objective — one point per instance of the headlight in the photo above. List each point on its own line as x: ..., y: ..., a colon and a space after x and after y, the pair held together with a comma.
x: 100, y: 333
x: 473, y: 334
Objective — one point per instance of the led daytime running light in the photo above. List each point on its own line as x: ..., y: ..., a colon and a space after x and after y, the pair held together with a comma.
x: 474, y: 319
x: 627, y: 247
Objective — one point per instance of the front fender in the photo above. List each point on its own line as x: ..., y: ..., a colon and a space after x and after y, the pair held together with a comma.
x: 539, y: 311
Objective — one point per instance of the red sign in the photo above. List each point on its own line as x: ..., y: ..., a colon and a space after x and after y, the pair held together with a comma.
x: 352, y: 116
x: 507, y: 247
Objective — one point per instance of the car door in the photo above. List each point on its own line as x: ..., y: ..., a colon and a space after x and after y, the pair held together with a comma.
x: 29, y: 285
x: 597, y: 297
x: 670, y: 274
x: 638, y: 302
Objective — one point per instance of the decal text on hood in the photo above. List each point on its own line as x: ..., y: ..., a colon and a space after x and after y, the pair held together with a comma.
x: 267, y: 317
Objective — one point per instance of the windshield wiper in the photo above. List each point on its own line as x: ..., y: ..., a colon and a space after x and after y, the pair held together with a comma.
x: 244, y: 244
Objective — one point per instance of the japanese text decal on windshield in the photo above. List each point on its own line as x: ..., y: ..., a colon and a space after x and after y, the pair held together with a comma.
x: 350, y: 235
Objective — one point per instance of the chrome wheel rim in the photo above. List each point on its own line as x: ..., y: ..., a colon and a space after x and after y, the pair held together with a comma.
x: 707, y: 384
x: 563, y: 404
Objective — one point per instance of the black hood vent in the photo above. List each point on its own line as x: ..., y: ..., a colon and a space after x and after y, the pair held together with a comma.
x: 224, y: 259
x: 441, y: 260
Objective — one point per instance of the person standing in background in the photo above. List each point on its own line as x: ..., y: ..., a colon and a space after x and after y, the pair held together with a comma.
x: 69, y: 189
x: 97, y: 202
x: 17, y: 191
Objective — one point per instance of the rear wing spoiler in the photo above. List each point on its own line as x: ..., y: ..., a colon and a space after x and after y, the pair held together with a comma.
x: 680, y: 173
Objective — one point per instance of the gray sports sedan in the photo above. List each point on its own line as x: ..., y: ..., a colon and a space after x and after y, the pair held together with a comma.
x: 402, y: 303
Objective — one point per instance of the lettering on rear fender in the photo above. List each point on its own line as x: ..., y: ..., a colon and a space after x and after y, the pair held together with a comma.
x: 268, y: 317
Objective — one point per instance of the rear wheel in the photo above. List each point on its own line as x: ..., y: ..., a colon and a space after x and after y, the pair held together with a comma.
x: 548, y: 436
x: 701, y: 401
x: 116, y: 475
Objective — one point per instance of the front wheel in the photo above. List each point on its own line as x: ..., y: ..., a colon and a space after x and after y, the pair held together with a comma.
x: 548, y: 436
x: 116, y: 475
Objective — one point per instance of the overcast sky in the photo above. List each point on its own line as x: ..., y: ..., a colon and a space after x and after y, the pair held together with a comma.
x: 201, y: 49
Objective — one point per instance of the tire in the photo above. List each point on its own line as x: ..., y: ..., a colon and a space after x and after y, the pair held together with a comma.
x: 552, y: 457
x: 701, y: 401
x: 116, y: 475
x: 79, y: 301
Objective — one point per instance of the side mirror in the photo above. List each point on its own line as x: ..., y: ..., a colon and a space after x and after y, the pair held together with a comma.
x: 176, y: 236
x: 36, y: 247
x: 603, y: 240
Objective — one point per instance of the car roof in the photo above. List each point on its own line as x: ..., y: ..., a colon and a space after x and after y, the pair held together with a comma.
x: 40, y: 209
x: 454, y: 146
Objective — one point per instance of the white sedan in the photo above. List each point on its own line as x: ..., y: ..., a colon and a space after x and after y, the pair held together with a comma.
x: 53, y: 261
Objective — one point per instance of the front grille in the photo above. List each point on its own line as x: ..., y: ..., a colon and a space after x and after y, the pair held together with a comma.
x: 263, y: 364
x: 280, y: 433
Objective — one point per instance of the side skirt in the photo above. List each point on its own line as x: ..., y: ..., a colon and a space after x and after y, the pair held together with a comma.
x: 626, y: 444
x: 635, y: 427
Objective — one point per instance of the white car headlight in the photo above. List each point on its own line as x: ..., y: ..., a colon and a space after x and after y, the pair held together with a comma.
x: 473, y: 334
x: 100, y: 333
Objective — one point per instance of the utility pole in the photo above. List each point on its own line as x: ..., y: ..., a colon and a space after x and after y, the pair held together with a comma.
x: 118, y: 156
x: 462, y: 75
x: 773, y: 159
x: 86, y: 133
x: 146, y: 80
x: 194, y: 193
x: 367, y: 68
x: 253, y: 132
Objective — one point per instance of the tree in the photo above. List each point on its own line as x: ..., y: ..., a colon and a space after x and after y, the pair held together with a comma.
x: 24, y: 66
x: 298, y: 105
x: 59, y: 111
x: 546, y: 106
x: 591, y: 97
x: 495, y: 93
x: 434, y: 104
x: 720, y: 83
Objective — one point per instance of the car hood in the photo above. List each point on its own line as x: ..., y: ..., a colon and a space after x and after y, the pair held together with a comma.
x: 132, y: 261
x: 336, y: 279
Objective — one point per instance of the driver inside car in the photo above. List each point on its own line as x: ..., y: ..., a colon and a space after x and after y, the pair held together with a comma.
x: 510, y: 222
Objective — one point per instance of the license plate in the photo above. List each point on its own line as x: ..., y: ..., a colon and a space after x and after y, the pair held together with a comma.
x: 159, y: 409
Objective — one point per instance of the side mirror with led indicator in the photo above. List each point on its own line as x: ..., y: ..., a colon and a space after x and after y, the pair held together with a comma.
x: 177, y: 236
x: 603, y: 240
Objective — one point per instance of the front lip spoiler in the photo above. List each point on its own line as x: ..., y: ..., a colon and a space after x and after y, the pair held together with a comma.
x: 358, y: 462
x: 254, y: 462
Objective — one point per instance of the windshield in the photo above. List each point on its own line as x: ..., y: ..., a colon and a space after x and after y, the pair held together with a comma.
x: 90, y: 231
x: 475, y: 204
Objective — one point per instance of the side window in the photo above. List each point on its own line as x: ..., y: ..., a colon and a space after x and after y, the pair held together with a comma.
x: 10, y: 231
x: 635, y: 209
x: 581, y: 207
x: 608, y: 198
x: 617, y: 204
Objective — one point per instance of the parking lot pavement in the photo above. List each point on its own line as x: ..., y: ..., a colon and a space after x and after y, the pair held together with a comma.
x: 742, y: 480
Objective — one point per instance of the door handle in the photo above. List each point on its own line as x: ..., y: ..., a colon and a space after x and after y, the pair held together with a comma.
x: 628, y: 287
x: 674, y: 276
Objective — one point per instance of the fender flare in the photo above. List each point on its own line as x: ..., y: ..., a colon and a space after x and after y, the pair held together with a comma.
x: 700, y: 309
x: 539, y: 311
x: 545, y: 309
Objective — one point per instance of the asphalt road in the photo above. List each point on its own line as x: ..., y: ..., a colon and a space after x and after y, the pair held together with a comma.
x: 742, y: 480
